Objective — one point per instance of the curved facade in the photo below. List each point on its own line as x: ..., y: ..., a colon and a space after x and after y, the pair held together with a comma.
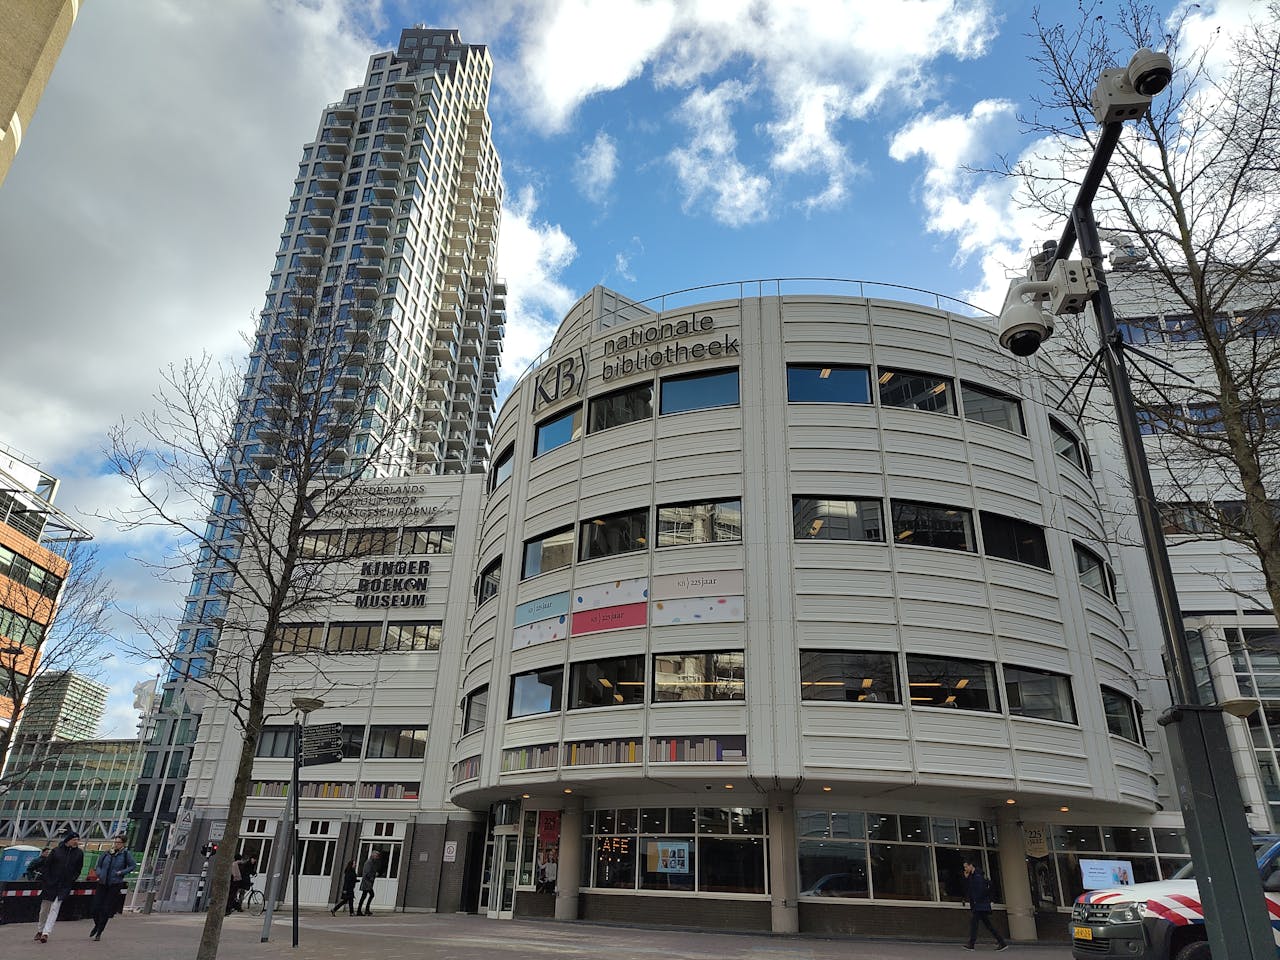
x: 785, y: 598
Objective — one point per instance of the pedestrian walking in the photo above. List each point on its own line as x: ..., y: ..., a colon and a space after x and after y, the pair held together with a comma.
x: 349, y: 877
x: 977, y: 890
x: 368, y: 873
x: 61, y: 870
x: 112, y: 867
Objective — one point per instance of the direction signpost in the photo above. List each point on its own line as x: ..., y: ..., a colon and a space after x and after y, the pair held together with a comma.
x: 321, y: 743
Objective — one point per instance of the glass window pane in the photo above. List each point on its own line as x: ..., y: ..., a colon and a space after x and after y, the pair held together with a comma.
x: 1038, y: 693
x: 699, y: 391
x: 849, y: 677
x: 815, y: 383
x: 502, y: 467
x: 916, y: 391
x: 1091, y: 570
x: 681, y: 819
x: 940, y: 682
x: 1120, y: 714
x: 1073, y: 837
x: 668, y: 863
x: 1067, y: 446
x: 929, y: 525
x: 833, y: 869
x: 550, y: 552
x: 990, y: 407
x: 607, y: 683
x: 619, y: 407
x: 901, y: 872
x: 882, y: 826
x: 698, y: 676
x: 615, y: 862
x: 614, y: 534
x: 1011, y: 539
x: 826, y: 518
x: 731, y: 864
x: 537, y: 691
x: 474, y: 709
x: 556, y: 432
x: 709, y: 522
x: 950, y: 864
x: 1127, y: 839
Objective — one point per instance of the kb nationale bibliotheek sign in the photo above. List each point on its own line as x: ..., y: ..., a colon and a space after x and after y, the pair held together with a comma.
x: 642, y: 349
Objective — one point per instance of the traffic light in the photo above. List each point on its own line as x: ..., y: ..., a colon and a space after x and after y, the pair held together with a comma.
x: 209, y: 850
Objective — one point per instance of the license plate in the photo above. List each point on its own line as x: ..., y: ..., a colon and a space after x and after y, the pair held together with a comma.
x: 1081, y: 933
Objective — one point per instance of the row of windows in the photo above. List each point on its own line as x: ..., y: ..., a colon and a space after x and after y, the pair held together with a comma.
x: 1204, y: 518
x: 22, y: 571
x: 377, y: 742
x: 377, y: 541
x: 20, y: 629
x: 806, y: 383
x: 813, y: 518
x: 362, y: 637
x: 825, y: 675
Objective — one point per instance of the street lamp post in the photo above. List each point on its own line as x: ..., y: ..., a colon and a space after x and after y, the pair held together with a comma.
x: 1236, y: 915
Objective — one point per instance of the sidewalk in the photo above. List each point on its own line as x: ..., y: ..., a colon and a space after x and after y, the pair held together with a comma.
x: 408, y: 936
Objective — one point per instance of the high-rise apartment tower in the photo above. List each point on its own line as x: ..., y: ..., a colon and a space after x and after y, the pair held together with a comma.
x: 390, y: 231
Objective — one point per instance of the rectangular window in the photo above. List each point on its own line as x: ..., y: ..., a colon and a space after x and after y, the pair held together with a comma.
x: 988, y: 406
x: 552, y: 551
x: 275, y: 742
x: 816, y: 383
x: 488, y: 582
x: 1039, y: 693
x: 930, y: 525
x: 707, y: 522
x: 475, y: 705
x: 616, y: 533
x: 396, y: 743
x: 1124, y: 715
x: 619, y: 407
x: 371, y: 542
x: 299, y: 637
x: 943, y: 682
x: 427, y: 540
x: 537, y: 691
x: 353, y: 637
x: 916, y: 391
x: 1012, y: 539
x: 606, y: 683
x: 849, y: 677
x: 410, y: 635
x: 352, y: 741
x: 502, y: 468
x: 1067, y: 446
x: 699, y: 676
x: 830, y: 518
x: 1093, y: 572
x: 556, y: 432
x: 699, y: 391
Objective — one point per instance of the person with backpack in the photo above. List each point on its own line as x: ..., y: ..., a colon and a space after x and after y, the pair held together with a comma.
x: 977, y: 890
x: 112, y: 868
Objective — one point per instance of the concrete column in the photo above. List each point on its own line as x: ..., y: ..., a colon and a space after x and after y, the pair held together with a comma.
x: 1013, y: 873
x: 784, y: 904
x: 569, y: 873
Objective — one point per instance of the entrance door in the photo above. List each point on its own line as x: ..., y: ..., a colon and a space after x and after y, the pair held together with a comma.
x: 502, y: 895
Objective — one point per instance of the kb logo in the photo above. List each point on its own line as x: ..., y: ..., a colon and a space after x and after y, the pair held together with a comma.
x: 566, y: 377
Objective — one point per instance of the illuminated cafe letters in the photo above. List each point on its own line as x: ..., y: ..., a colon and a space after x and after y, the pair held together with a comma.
x: 657, y: 346
x: 392, y: 583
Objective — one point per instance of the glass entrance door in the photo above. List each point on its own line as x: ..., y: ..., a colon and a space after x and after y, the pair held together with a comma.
x: 502, y: 896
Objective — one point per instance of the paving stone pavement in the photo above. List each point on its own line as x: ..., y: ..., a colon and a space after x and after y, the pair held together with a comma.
x: 457, y: 937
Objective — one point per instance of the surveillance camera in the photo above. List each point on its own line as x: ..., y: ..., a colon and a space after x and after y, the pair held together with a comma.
x: 1150, y: 71
x: 1023, y: 327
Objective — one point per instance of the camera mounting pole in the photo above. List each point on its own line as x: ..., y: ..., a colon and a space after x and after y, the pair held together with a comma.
x: 1235, y: 910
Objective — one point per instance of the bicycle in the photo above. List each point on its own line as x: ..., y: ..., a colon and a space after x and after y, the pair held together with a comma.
x: 255, y: 902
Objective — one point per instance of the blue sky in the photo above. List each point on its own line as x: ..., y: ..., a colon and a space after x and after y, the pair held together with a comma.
x: 650, y: 146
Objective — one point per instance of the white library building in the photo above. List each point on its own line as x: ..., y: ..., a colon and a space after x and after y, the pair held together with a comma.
x: 774, y: 606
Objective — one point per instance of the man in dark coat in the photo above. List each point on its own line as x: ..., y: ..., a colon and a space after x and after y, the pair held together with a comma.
x: 60, y: 872
x: 370, y: 872
x: 978, y: 892
x: 112, y: 867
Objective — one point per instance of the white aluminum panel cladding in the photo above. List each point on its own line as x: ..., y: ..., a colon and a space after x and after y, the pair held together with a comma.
x: 698, y: 610
x: 544, y: 631
x: 543, y: 608
x: 612, y: 594
x: 702, y: 583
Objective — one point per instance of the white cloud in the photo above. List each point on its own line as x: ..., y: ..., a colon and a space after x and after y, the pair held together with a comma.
x: 622, y: 267
x: 596, y: 168
x: 531, y: 256
x: 818, y: 65
x: 708, y: 167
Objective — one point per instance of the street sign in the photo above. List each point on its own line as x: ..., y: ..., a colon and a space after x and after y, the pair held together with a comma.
x: 320, y: 744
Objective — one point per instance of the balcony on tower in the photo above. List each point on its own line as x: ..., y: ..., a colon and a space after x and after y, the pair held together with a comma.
x: 382, y: 208
x: 437, y: 389
x: 429, y: 433
x: 365, y: 286
x: 378, y: 227
x: 352, y: 374
x: 363, y: 309
x: 329, y: 179
x: 444, y: 350
x: 368, y: 265
x: 395, y: 131
x: 324, y: 199
x: 346, y: 400
x: 374, y: 249
x: 333, y: 156
x: 386, y: 186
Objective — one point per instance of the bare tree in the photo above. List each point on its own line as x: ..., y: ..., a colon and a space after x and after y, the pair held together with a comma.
x: 1192, y: 204
x: 279, y: 455
x: 74, y: 641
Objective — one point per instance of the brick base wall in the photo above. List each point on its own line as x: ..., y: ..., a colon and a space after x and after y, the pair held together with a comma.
x: 692, y: 911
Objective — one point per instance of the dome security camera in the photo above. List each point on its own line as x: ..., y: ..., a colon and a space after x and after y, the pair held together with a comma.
x: 1024, y: 327
x: 1149, y: 71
